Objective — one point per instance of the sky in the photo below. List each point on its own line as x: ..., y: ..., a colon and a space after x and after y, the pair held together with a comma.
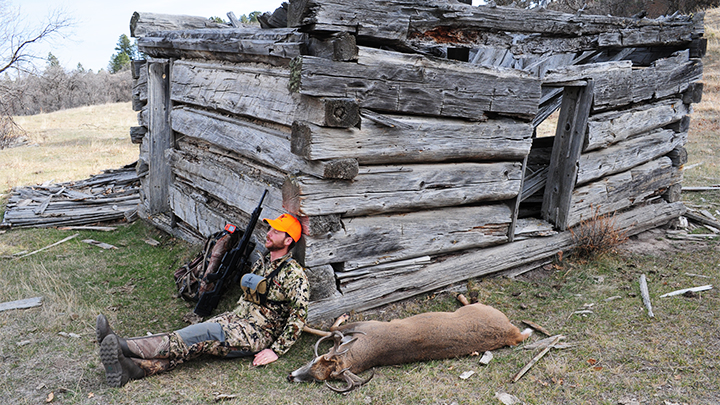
x: 99, y: 24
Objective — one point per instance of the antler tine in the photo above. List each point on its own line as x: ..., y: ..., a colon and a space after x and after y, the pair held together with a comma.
x: 360, y: 381
x: 335, y: 335
x: 347, y: 348
x: 350, y: 384
x: 353, y: 381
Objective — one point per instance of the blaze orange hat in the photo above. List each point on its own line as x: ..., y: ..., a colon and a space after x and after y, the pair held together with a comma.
x: 286, y: 223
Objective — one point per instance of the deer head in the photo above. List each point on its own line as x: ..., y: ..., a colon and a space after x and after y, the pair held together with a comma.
x: 331, y: 365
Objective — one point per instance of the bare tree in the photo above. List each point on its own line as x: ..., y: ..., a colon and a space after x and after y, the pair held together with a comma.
x: 17, y: 41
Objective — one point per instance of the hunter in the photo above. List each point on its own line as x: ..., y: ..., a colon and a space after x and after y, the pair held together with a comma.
x: 264, y: 330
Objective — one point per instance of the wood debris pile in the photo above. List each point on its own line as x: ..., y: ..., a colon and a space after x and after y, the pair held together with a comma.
x: 110, y: 196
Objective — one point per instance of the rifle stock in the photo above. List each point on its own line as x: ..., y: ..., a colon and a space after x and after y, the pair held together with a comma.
x: 234, y: 259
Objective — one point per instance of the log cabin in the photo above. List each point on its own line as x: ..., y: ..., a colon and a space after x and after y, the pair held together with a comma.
x: 410, y: 137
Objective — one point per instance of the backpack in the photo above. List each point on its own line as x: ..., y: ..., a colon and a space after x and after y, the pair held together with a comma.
x: 190, y: 278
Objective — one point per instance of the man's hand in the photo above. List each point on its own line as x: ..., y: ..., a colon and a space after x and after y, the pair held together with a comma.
x: 266, y: 356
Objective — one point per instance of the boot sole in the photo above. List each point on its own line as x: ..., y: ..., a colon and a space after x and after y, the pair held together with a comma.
x: 110, y: 357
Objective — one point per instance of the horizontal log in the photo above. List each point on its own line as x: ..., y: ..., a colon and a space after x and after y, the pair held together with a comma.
x: 625, y: 155
x: 220, y: 180
x: 620, y: 191
x: 204, y: 214
x: 419, y: 140
x: 611, y: 127
x: 379, y: 290
x: 137, y: 134
x: 263, y: 144
x: 273, y: 46
x: 413, y: 84
x: 678, y: 156
x: 564, y: 74
x: 142, y: 23
x: 256, y: 91
x: 398, y: 21
x: 663, y: 78
x: 378, y: 239
x: 386, y: 189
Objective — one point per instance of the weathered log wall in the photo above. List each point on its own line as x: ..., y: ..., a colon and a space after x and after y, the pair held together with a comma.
x: 411, y: 171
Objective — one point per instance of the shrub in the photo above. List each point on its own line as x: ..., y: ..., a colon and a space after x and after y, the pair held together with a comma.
x: 596, y: 235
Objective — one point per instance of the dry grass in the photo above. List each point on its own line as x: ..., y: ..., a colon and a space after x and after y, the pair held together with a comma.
x: 70, y: 145
x: 595, y: 236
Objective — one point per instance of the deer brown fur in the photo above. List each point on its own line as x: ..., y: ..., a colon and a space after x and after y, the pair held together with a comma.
x: 360, y: 346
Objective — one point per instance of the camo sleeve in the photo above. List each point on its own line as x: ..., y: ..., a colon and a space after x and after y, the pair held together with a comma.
x: 297, y: 291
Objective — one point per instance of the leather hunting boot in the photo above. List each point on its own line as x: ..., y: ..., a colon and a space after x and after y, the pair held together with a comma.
x: 102, y: 328
x: 147, y: 347
x: 118, y: 368
x: 153, y: 366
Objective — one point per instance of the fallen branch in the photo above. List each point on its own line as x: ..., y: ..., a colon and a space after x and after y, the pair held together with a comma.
x: 707, y: 188
x: 646, y: 295
x: 683, y: 291
x: 537, y: 327
x: 98, y: 244
x: 701, y: 219
x: 541, y: 344
x: 49, y: 246
x: 535, y: 359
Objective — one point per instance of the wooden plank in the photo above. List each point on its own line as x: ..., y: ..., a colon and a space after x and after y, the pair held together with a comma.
x: 564, y: 74
x: 230, y: 184
x: 611, y: 127
x: 663, y: 78
x: 385, y: 189
x: 385, y: 238
x: 21, y: 304
x: 620, y: 191
x: 515, y: 203
x: 248, y: 44
x: 192, y: 207
x: 625, y: 155
x: 420, y: 140
x: 160, y: 136
x: 264, y: 144
x: 406, y: 83
x: 455, y: 268
x: 397, y: 21
x: 567, y: 146
x: 142, y: 23
x: 256, y: 91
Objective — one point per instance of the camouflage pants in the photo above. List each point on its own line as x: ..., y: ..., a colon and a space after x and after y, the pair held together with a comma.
x: 226, y: 335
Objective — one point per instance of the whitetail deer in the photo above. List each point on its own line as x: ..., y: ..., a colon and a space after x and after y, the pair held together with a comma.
x: 360, y: 346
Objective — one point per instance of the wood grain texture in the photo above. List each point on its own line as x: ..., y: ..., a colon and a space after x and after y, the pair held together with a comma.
x: 385, y: 189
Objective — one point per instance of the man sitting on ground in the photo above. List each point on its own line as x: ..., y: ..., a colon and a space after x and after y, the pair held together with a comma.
x: 264, y: 331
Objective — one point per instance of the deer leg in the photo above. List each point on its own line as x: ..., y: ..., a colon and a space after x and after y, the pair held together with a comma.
x: 316, y: 332
x: 463, y: 300
x: 342, y: 318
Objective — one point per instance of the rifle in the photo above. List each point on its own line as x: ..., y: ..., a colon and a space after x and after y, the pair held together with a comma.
x: 234, y: 259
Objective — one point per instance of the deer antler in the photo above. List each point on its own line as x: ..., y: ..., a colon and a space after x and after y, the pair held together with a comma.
x: 352, y: 380
x: 336, y: 336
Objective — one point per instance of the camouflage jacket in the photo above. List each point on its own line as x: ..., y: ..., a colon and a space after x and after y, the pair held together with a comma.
x: 285, y: 313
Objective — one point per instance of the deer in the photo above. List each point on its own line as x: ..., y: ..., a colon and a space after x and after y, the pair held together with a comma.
x: 359, y: 346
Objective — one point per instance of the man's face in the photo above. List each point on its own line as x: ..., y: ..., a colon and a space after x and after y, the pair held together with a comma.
x: 275, y: 240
